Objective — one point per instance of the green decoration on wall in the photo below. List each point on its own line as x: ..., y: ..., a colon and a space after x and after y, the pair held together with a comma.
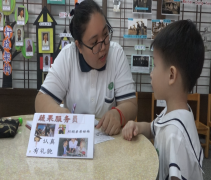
x: 18, y: 48
x: 23, y: 50
x: 12, y: 7
x: 26, y: 14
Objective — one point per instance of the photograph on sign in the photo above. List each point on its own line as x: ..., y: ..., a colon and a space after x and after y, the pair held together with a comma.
x: 140, y: 63
x: 73, y: 147
x: 142, y: 6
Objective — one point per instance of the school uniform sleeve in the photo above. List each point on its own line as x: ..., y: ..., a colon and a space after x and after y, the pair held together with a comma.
x: 57, y: 81
x: 124, y: 84
x: 176, y: 156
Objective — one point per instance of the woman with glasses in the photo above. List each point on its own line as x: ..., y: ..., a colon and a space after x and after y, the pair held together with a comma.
x: 92, y: 72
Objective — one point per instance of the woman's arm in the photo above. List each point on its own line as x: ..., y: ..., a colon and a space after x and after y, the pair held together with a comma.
x: 45, y: 104
x: 128, y: 108
x: 110, y: 123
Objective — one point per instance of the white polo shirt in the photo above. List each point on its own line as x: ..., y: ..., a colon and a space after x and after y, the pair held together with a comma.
x: 73, y: 145
x: 178, y: 146
x: 94, y: 91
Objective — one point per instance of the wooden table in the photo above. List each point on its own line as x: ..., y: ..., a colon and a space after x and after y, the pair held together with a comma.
x: 115, y: 159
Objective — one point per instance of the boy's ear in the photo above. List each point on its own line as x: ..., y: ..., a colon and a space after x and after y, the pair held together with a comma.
x: 78, y: 46
x: 172, y: 74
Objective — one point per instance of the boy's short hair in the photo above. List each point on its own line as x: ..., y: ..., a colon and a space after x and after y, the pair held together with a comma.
x: 180, y: 44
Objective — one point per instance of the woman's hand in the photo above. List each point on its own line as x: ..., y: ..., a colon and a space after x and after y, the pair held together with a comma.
x: 110, y: 122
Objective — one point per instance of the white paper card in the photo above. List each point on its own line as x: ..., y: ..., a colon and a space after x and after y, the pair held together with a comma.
x: 19, y: 44
x: 45, y: 48
x: 1, y: 28
x: 20, y: 23
x: 6, y: 8
x: 101, y: 137
x: 29, y: 53
x: 161, y: 103
x: 61, y: 136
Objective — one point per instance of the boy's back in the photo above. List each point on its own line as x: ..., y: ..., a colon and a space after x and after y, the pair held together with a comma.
x: 178, y: 146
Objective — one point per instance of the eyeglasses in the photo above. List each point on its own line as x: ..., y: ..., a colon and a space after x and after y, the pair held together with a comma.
x: 97, y: 47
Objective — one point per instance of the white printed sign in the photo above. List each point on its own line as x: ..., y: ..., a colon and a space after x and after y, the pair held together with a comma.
x: 62, y: 136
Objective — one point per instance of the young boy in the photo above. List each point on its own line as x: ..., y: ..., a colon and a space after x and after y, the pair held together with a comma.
x: 178, y: 61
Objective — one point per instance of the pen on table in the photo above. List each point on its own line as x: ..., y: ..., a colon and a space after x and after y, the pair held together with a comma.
x: 73, y: 109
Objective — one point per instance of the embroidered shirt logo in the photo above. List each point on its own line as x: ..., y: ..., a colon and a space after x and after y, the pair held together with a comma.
x: 111, y: 86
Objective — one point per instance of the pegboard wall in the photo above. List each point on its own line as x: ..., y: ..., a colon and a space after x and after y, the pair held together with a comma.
x: 25, y: 71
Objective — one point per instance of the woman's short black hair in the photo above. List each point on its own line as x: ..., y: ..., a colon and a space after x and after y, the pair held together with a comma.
x: 82, y: 14
x: 180, y: 44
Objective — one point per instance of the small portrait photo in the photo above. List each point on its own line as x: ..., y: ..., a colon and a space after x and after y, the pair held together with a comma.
x: 61, y: 129
x: 137, y: 26
x: 37, y: 139
x: 46, y: 130
x: 6, y: 2
x: 171, y: 7
x: 19, y: 34
x: 142, y: 6
x: 46, y: 62
x: 29, y: 45
x: 1, y: 19
x: 140, y: 63
x: 44, y: 74
x: 73, y: 147
x: 20, y: 14
x: 64, y: 43
x: 45, y: 38
x: 157, y: 26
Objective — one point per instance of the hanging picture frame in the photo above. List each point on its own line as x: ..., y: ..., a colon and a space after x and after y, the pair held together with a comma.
x: 140, y: 63
x: 142, y: 6
x: 21, y: 15
x: 170, y: 7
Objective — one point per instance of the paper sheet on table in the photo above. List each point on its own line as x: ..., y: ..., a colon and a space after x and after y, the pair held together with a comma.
x: 100, y: 137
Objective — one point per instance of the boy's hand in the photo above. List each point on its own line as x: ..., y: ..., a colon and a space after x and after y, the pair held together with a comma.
x: 131, y: 129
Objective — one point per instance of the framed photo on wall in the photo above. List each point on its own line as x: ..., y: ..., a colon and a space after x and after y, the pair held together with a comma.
x: 6, y: 5
x: 142, y: 6
x: 158, y: 25
x: 64, y: 43
x: 45, y: 41
x: 170, y: 7
x: 46, y: 62
x: 140, y: 63
x: 1, y: 21
x: 21, y: 16
x: 29, y: 47
x: 19, y: 36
